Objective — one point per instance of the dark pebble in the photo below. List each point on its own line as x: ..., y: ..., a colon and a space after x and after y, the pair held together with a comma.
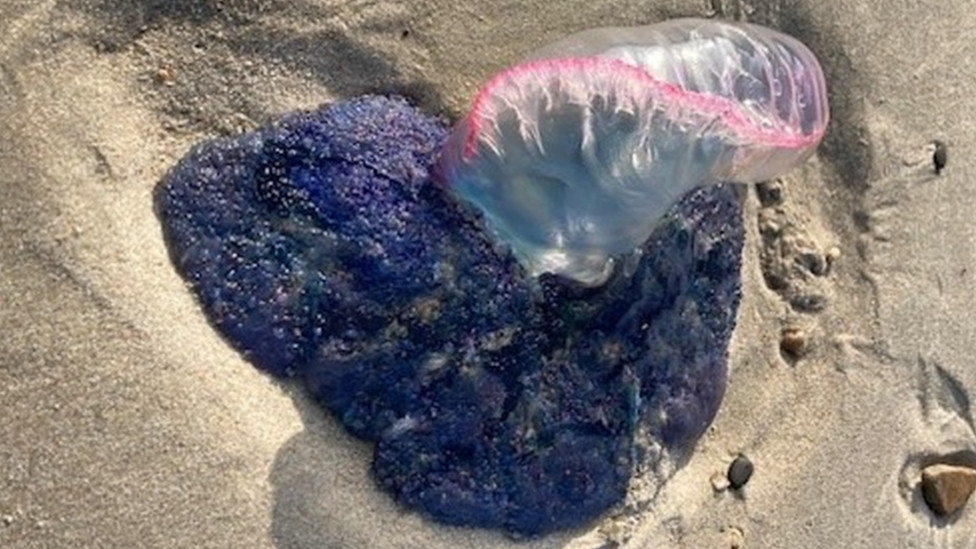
x: 809, y: 303
x: 775, y: 280
x: 740, y: 471
x: 815, y: 262
x: 940, y: 157
x: 770, y: 193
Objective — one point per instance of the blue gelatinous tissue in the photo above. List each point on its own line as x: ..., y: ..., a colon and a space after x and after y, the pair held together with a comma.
x: 327, y: 248
x: 322, y: 249
x: 575, y: 154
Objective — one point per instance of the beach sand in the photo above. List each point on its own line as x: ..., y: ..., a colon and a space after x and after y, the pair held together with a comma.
x: 127, y: 421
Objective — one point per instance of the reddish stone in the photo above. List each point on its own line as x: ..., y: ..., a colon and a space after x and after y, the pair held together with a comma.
x: 946, y: 488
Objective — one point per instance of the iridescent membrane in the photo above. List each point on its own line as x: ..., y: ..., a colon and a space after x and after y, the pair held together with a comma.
x: 574, y: 156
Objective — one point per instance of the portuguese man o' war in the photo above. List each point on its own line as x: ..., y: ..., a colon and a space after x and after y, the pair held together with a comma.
x: 575, y: 155
x: 327, y: 247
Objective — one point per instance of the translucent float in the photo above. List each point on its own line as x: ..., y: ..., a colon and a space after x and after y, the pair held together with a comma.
x: 574, y: 155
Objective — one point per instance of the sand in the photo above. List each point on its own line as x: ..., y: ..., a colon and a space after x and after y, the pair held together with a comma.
x: 127, y: 422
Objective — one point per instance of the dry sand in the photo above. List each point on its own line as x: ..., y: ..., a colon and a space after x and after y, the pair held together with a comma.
x: 126, y: 421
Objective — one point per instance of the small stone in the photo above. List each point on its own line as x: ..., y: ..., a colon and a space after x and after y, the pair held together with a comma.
x: 740, y: 471
x: 815, y: 262
x: 770, y: 193
x: 946, y: 488
x: 793, y: 341
x: 737, y: 539
x: 7, y: 519
x: 809, y: 303
x: 775, y: 280
x: 720, y: 482
x: 831, y: 256
x: 940, y: 156
x: 164, y: 76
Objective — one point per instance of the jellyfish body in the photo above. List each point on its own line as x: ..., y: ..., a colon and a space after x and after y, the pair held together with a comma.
x: 322, y: 247
x: 574, y: 156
